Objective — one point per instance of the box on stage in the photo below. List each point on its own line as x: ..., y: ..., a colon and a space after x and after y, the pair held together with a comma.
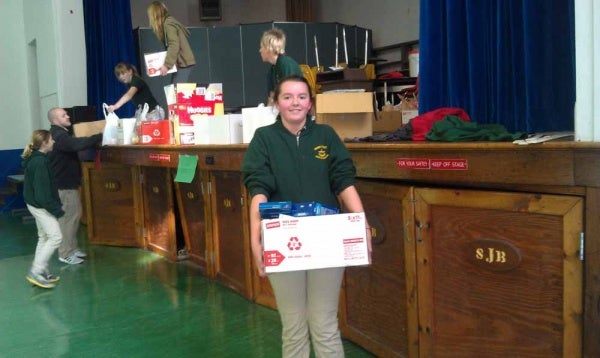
x: 349, y: 113
x: 156, y: 132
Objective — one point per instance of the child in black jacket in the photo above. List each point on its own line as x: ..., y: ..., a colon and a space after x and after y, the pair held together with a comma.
x: 41, y: 196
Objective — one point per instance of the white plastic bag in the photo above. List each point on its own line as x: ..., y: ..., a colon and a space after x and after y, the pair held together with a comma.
x: 157, y: 113
x: 255, y: 117
x: 141, y: 112
x: 111, y: 129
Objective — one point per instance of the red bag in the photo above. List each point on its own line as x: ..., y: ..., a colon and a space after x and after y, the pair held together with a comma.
x: 422, y: 124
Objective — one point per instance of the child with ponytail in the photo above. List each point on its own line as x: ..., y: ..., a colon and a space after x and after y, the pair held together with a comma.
x: 41, y: 196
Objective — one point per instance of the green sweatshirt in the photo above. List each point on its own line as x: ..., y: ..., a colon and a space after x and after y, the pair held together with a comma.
x: 312, y: 166
x: 284, y: 67
x: 39, y: 189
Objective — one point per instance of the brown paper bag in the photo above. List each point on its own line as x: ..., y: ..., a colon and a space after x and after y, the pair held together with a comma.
x: 409, y: 105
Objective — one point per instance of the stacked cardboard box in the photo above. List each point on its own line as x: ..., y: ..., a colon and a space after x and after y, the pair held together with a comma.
x: 187, y: 99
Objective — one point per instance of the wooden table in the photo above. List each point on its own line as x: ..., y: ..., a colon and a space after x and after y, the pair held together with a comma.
x: 476, y: 246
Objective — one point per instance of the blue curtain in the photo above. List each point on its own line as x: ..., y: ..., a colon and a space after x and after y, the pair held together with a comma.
x: 510, y: 62
x: 108, y: 40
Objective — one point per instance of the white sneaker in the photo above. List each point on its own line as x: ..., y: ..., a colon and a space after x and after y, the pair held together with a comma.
x: 71, y: 260
x: 79, y: 254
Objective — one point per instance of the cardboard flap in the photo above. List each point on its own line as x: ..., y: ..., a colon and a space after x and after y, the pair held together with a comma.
x: 86, y: 129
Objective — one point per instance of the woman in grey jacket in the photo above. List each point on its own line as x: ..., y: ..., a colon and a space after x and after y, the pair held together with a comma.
x: 174, y: 36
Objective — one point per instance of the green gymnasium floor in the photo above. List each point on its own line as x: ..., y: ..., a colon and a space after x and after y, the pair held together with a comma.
x: 125, y: 302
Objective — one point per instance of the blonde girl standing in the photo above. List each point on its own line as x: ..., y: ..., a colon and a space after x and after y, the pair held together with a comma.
x: 41, y: 196
x: 174, y: 36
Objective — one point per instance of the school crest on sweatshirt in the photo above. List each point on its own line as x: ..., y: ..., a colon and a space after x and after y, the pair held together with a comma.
x: 321, y: 152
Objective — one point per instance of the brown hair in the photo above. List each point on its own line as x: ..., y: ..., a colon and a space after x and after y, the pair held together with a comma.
x: 292, y: 78
x: 123, y: 67
x: 38, y: 137
x: 157, y: 13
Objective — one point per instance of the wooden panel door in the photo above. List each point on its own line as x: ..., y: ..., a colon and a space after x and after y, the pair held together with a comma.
x: 158, y: 211
x: 378, y: 305
x: 232, y: 258
x: 499, y: 274
x: 112, y: 204
x: 262, y: 291
x: 193, y: 206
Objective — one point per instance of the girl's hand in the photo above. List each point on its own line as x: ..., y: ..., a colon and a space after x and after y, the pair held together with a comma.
x: 111, y: 108
x: 257, y: 252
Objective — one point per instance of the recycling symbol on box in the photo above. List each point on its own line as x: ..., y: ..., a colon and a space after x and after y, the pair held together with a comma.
x: 294, y: 244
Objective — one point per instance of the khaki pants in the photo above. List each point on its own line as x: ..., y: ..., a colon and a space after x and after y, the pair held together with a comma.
x: 69, y: 223
x: 308, y: 303
x: 49, y: 238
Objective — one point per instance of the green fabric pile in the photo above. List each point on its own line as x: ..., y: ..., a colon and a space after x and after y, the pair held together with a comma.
x: 454, y: 129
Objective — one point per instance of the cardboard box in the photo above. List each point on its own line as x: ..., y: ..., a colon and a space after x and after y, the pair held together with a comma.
x: 387, y: 121
x: 86, y: 129
x: 348, y: 78
x: 187, y: 99
x: 156, y: 132
x: 344, y: 74
x: 349, y: 113
x: 154, y: 62
x: 223, y: 129
x: 313, y: 242
x: 408, y: 114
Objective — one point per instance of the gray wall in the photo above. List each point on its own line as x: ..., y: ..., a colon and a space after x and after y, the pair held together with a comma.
x: 233, y: 12
x: 392, y: 21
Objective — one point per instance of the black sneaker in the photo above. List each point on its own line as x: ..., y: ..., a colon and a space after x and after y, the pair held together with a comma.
x: 39, y: 280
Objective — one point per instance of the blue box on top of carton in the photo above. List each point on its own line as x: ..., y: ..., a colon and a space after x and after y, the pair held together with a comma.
x: 312, y: 208
x: 272, y: 209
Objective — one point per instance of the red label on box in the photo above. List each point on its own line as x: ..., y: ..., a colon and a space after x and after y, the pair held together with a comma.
x: 199, y: 101
x: 272, y: 225
x: 273, y: 258
x: 156, y: 132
